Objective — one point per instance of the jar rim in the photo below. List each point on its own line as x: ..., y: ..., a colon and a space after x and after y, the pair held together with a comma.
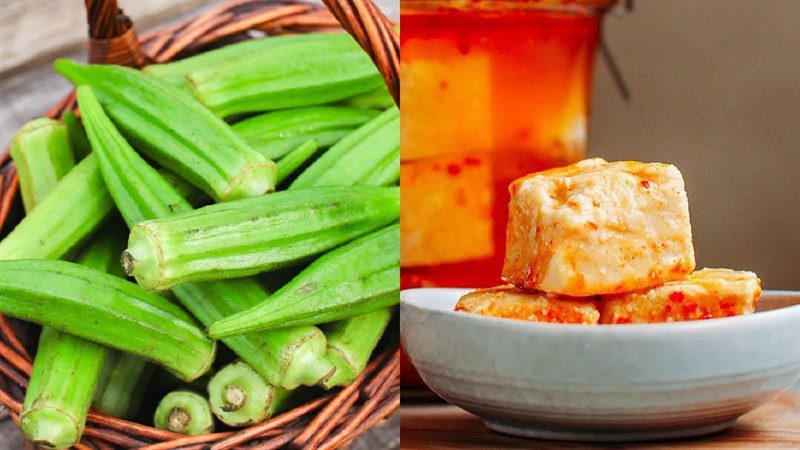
x: 585, y: 7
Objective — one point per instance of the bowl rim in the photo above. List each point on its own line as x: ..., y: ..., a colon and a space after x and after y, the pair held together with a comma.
x: 414, y: 298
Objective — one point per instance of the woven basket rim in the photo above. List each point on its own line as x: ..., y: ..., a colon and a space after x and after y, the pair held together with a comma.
x: 325, y: 422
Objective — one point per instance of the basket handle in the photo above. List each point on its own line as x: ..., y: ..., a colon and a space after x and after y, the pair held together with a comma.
x: 113, y: 40
x: 376, y: 35
x: 112, y: 35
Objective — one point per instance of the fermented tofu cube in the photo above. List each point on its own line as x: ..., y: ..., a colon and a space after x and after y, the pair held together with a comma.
x: 509, y: 302
x: 598, y: 228
x: 705, y: 294
x: 446, y: 210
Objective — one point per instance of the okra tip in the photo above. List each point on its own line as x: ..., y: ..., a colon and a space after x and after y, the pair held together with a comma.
x: 308, y: 366
x: 50, y: 427
x: 141, y: 259
x: 345, y: 372
x: 256, y: 179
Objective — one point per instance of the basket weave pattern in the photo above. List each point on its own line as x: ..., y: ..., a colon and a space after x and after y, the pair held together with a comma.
x: 326, y: 422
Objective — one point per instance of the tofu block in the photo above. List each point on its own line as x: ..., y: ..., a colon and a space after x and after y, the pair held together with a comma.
x: 446, y: 210
x: 598, y: 228
x: 509, y: 302
x: 705, y: 294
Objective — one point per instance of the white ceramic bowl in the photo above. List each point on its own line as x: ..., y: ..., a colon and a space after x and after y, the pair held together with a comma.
x: 605, y: 382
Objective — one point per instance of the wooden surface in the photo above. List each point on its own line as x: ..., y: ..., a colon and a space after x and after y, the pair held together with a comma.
x: 441, y: 426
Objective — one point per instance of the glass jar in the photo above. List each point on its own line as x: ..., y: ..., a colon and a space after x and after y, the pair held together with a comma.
x: 492, y: 90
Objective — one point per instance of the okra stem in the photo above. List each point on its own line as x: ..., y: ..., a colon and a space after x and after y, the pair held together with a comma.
x: 184, y: 412
x: 254, y: 235
x: 104, y: 309
x: 286, y: 358
x: 296, y: 158
x: 240, y: 397
x: 351, y: 342
x: 43, y: 155
x: 354, y: 279
x: 276, y: 133
x: 173, y: 129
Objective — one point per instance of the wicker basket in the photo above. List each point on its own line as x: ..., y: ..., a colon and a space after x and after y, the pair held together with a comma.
x: 326, y: 422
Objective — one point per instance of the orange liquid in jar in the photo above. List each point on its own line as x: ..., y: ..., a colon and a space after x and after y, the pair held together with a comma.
x: 488, y: 95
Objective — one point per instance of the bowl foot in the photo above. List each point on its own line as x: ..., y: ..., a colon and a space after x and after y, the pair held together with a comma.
x: 563, y: 434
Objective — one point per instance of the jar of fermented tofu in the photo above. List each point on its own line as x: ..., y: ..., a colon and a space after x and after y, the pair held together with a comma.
x: 492, y: 90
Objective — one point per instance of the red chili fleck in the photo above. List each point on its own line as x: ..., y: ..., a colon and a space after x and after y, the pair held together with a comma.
x: 676, y: 296
x: 645, y: 184
x: 453, y: 169
x: 443, y: 84
x: 667, y: 308
x: 623, y: 320
x: 472, y: 161
x: 689, y: 308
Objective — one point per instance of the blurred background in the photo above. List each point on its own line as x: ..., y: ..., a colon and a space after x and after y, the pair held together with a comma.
x: 715, y: 90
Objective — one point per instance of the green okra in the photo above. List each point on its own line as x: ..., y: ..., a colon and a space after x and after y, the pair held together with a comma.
x: 174, y: 130
x: 194, y: 196
x: 122, y: 385
x: 286, y: 358
x: 354, y: 279
x: 276, y: 133
x: 74, y: 210
x: 351, y: 342
x: 239, y: 397
x: 184, y: 412
x: 289, y: 164
x: 105, y: 309
x: 306, y: 73
x: 60, y: 390
x: 42, y: 152
x: 379, y: 98
x: 368, y: 156
x: 54, y: 411
x: 77, y: 135
x: 248, y: 236
x: 175, y: 72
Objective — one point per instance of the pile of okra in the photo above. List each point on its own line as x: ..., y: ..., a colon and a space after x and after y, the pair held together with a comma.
x: 219, y: 234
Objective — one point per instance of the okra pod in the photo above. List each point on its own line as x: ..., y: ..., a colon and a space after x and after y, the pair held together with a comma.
x: 372, y: 148
x: 77, y: 135
x: 175, y: 72
x: 354, y: 279
x: 276, y: 133
x: 184, y: 412
x: 66, y: 369
x: 379, y: 98
x: 105, y: 309
x: 122, y: 385
x: 60, y: 390
x: 239, y: 397
x: 295, y: 159
x: 351, y: 342
x: 286, y: 76
x: 286, y: 358
x: 43, y: 155
x: 174, y: 130
x: 75, y: 208
x: 254, y: 235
